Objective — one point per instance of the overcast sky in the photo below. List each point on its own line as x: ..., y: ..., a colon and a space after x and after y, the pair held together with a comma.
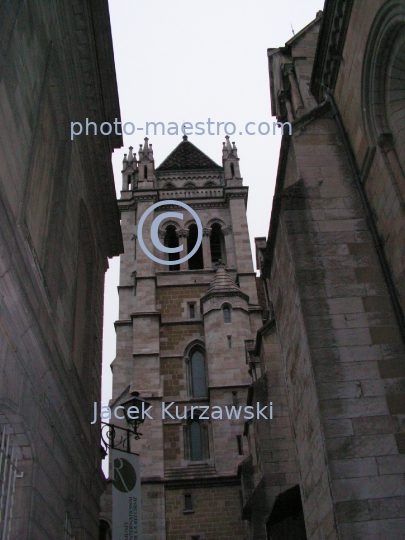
x: 190, y: 61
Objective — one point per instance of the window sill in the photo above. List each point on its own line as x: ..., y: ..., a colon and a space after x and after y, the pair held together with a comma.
x: 188, y: 511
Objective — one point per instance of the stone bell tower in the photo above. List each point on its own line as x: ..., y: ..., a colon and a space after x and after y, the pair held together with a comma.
x: 182, y: 336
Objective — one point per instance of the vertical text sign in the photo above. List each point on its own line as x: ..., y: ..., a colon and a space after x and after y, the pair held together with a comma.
x: 126, y: 496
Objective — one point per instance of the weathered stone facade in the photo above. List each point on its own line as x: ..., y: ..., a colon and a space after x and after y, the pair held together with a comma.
x: 331, y: 354
x: 182, y: 337
x: 59, y: 222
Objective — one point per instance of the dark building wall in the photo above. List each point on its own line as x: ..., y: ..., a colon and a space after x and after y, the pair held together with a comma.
x: 58, y: 224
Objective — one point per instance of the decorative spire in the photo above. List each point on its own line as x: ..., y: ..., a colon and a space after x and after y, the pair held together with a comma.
x: 146, y: 146
x: 185, y: 138
x: 234, y: 149
x: 222, y: 282
x: 228, y: 144
x: 130, y: 155
x: 125, y: 159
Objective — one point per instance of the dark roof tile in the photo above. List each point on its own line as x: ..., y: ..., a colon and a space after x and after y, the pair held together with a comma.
x: 187, y: 157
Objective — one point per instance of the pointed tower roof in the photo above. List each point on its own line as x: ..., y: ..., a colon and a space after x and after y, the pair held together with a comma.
x: 223, y: 284
x: 187, y: 157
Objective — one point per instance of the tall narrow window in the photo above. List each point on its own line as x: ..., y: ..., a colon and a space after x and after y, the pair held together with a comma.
x: 188, y: 502
x: 67, y: 528
x: 232, y: 170
x: 226, y: 310
x: 191, y: 311
x: 217, y: 244
x: 129, y: 181
x: 8, y: 474
x: 104, y: 530
x: 134, y: 278
x: 196, y: 262
x: 196, y: 453
x: 239, y: 444
x: 199, y: 384
x: 145, y: 172
x: 172, y: 241
x: 229, y: 342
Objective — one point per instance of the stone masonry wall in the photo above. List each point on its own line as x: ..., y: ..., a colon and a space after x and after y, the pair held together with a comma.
x: 380, y: 185
x: 172, y: 301
x: 343, y: 356
x: 214, y: 514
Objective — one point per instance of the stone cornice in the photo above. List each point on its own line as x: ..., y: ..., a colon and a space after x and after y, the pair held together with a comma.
x: 191, y: 193
x: 123, y: 322
x: 145, y: 314
x: 125, y: 205
x: 329, y: 52
x: 223, y: 294
x: 183, y: 322
x: 219, y: 480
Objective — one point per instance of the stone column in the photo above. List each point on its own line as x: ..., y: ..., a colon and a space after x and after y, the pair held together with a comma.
x: 182, y: 235
x: 206, y: 248
x: 160, y: 255
x: 229, y: 247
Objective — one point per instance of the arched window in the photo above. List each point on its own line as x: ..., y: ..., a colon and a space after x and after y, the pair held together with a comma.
x: 171, y: 240
x: 226, y: 310
x: 210, y: 184
x: 198, y: 378
x: 217, y: 244
x: 145, y: 172
x: 383, y: 91
x: 105, y: 530
x: 196, y: 262
x: 129, y: 181
x: 189, y: 185
x: 169, y: 186
x: 232, y: 170
x: 196, y: 447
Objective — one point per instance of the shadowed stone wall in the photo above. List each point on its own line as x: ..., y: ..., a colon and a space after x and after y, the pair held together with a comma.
x: 58, y: 225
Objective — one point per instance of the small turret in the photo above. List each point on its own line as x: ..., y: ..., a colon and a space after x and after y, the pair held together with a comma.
x: 129, y: 170
x: 146, y: 163
x: 230, y: 162
x: 124, y: 163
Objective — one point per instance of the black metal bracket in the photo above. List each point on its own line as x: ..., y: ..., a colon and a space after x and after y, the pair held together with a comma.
x: 112, y: 438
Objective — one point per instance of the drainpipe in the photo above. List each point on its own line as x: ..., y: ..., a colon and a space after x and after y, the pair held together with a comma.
x: 399, y: 314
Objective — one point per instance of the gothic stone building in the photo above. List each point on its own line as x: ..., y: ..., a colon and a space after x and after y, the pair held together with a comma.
x: 59, y: 222
x: 331, y: 355
x: 182, y: 336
